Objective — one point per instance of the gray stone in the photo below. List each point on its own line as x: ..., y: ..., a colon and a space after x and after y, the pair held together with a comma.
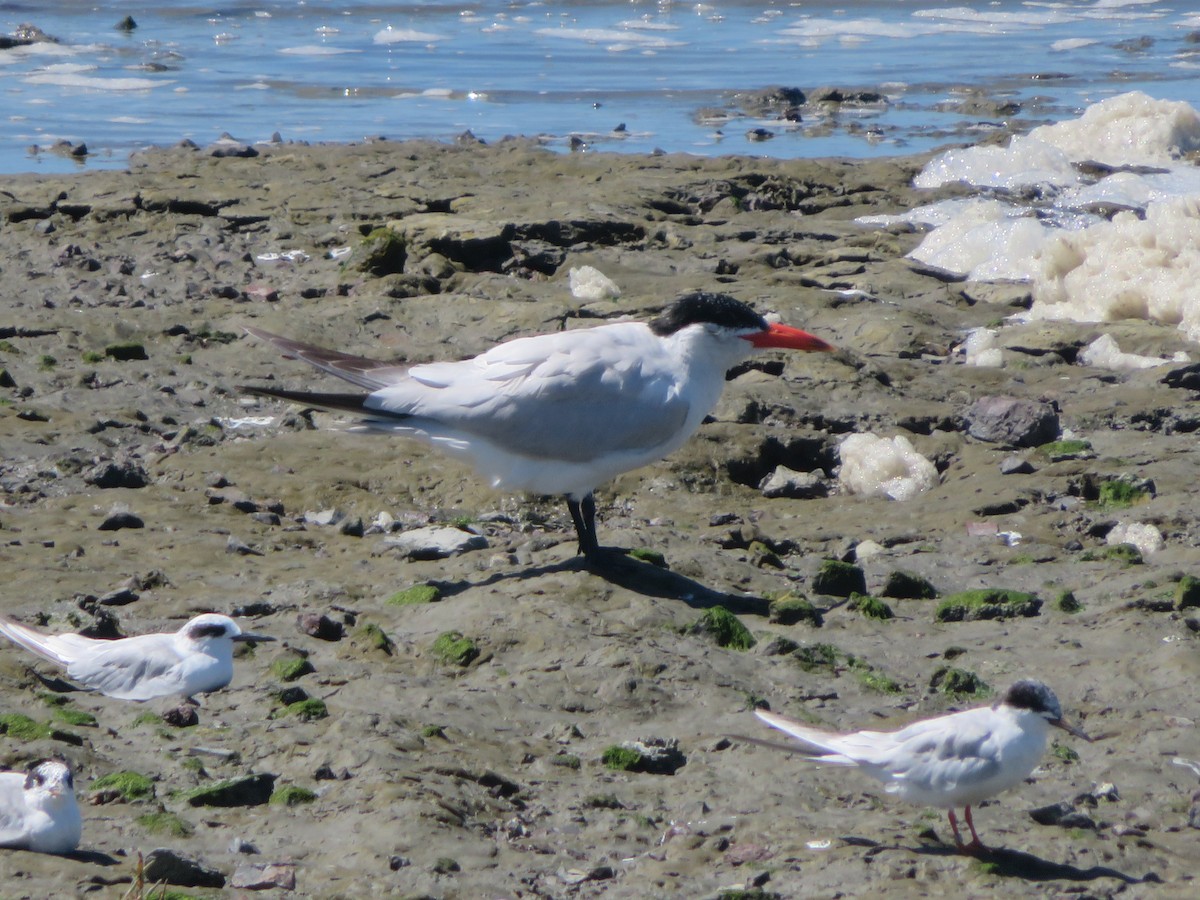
x: 436, y: 542
x: 1012, y: 421
x: 265, y: 877
x: 785, y: 482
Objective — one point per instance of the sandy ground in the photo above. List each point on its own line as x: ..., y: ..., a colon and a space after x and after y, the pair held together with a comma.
x: 435, y: 779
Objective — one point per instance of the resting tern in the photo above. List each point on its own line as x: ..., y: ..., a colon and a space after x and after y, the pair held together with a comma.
x: 947, y: 761
x: 559, y: 413
x: 196, y: 659
x: 38, y: 811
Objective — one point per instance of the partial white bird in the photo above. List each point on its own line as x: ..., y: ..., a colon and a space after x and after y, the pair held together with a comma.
x: 196, y: 659
x: 559, y: 413
x: 948, y: 761
x: 38, y: 811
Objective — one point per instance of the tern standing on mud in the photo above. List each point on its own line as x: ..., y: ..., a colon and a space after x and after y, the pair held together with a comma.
x: 559, y: 413
x: 948, y: 761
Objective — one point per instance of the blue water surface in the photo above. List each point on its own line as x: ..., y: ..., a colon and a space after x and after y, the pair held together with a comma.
x: 346, y: 71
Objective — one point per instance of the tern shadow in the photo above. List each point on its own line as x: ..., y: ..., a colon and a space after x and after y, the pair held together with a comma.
x: 1027, y: 867
x: 95, y: 857
x: 621, y: 570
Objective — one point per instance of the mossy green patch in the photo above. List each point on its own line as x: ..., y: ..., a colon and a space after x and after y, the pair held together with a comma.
x: 165, y: 823
x: 291, y: 666
x: 1058, y: 451
x: 433, y: 731
x: 1067, y: 602
x: 92, y: 356
x: 958, y: 682
x: 839, y: 579
x: 654, y: 557
x: 46, y: 362
x: 8, y: 347
x: 725, y: 629
x: 1125, y: 554
x: 1120, y: 494
x: 148, y: 718
x: 621, y: 759
x: 445, y: 865
x: 987, y: 603
x: 129, y: 785
x: 451, y: 647
x: 291, y: 795
x: 64, y: 712
x: 375, y: 637
x: 382, y: 252
x: 1063, y: 752
x: 306, y: 710
x: 791, y: 609
x: 817, y: 656
x: 415, y: 595
x: 871, y: 607
x: 565, y: 760
x: 22, y: 728
x: 756, y: 893
x: 1187, y: 592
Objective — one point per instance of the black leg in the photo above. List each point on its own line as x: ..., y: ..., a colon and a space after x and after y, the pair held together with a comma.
x: 583, y: 514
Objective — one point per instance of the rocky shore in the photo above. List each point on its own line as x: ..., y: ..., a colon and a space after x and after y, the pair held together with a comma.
x: 445, y: 727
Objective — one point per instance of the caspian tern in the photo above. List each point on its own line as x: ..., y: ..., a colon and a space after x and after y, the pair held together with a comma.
x: 559, y: 413
x: 947, y: 761
x: 38, y: 811
x: 196, y: 659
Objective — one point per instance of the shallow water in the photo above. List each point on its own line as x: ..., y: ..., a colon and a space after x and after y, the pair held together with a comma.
x: 344, y: 71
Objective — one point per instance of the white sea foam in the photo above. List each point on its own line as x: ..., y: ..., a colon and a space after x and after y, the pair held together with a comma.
x: 612, y: 37
x: 1128, y: 268
x: 987, y: 241
x: 70, y: 80
x: 316, y: 50
x: 1104, y: 353
x: 882, y: 467
x: 589, y: 283
x: 392, y: 35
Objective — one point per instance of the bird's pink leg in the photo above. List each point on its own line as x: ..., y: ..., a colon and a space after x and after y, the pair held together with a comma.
x: 954, y: 827
x: 976, y: 844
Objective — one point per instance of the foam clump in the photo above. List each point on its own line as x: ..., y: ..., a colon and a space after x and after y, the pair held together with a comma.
x: 1129, y: 129
x: 588, y: 284
x: 986, y: 241
x: 1147, y: 538
x: 884, y: 467
x: 1104, y: 353
x: 1127, y: 268
x: 980, y: 349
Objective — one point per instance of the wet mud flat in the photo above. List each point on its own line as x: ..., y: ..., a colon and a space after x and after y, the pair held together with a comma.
x: 456, y: 740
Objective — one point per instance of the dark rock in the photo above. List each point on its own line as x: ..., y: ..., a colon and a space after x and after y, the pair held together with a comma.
x: 112, y: 474
x: 1052, y: 814
x: 320, y: 626
x: 247, y: 790
x: 1187, y: 592
x: 118, y: 520
x: 163, y: 865
x: 1187, y: 378
x: 1015, y: 465
x: 126, y: 24
x: 1012, y: 421
x: 182, y: 716
x: 119, y: 597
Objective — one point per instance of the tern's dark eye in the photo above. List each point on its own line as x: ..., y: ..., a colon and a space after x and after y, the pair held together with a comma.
x: 198, y: 632
x: 69, y: 780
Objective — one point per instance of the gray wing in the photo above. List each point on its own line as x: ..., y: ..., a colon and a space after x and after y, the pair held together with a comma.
x: 138, y: 668
x: 951, y: 750
x: 572, y: 396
